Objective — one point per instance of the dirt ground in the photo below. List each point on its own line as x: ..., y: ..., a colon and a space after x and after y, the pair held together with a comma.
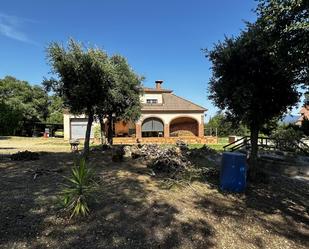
x: 132, y: 210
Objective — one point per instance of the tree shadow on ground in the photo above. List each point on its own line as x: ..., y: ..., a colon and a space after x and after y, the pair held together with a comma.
x: 279, y: 207
x: 124, y: 213
x: 127, y: 213
x: 25, y: 201
x: 5, y: 137
x: 287, y: 197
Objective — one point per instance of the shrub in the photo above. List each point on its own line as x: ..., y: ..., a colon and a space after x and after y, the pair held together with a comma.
x: 97, y: 132
x: 76, y: 195
x: 59, y: 133
x: 286, y: 138
x: 305, y: 126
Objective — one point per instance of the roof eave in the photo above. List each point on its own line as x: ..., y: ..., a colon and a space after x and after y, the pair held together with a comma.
x: 158, y: 91
x: 172, y: 110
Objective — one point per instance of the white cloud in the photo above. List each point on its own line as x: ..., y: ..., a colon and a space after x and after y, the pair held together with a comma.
x: 10, y: 27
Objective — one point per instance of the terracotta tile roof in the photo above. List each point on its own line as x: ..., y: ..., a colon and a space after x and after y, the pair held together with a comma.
x: 153, y: 90
x: 172, y: 102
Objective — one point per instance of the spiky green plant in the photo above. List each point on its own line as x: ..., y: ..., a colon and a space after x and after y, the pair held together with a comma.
x: 77, y: 193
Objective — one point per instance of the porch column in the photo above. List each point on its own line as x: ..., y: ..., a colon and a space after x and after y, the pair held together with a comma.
x: 138, y: 130
x: 166, y: 130
x: 201, y: 127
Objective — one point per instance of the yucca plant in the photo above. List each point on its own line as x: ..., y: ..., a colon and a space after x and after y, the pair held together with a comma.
x: 77, y: 193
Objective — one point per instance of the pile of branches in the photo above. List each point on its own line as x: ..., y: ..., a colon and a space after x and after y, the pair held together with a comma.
x: 145, y: 151
x: 153, y: 151
x: 173, y: 168
x: 25, y: 156
x: 182, y: 145
x: 174, y: 164
x: 166, y: 162
x: 169, y: 161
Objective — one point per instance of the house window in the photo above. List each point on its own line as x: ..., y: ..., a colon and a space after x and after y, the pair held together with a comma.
x: 152, y: 101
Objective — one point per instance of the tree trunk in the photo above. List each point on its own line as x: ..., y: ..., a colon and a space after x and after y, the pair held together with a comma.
x: 253, y: 163
x: 88, y: 132
x: 103, y: 133
x: 110, y: 129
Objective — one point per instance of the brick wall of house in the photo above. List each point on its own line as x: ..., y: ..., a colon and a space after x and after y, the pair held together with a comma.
x: 122, y: 127
x: 164, y: 140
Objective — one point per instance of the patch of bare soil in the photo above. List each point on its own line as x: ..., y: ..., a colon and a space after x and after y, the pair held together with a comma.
x: 132, y: 210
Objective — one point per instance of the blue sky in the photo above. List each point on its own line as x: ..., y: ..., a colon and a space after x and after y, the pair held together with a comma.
x: 161, y: 39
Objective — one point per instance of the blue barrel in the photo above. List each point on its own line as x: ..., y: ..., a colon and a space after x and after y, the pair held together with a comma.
x: 233, y: 172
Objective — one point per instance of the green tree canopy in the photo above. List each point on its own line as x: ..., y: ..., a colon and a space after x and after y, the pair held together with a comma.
x: 94, y: 84
x: 85, y: 76
x: 55, y: 109
x: 225, y: 127
x: 249, y: 84
x: 124, y: 95
x: 286, y: 23
x: 21, y: 104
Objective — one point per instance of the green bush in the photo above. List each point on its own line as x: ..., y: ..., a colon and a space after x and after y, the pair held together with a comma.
x: 305, y: 126
x: 224, y: 127
x: 77, y: 193
x: 97, y: 131
x: 59, y: 133
x: 286, y: 138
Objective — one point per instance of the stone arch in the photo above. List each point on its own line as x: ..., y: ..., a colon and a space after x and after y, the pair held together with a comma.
x: 184, y: 126
x: 152, y: 127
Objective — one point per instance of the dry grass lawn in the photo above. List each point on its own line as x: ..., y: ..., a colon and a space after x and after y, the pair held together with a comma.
x: 132, y: 210
x: 9, y: 145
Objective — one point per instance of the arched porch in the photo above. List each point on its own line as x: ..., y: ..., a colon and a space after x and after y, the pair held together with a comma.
x: 184, y: 126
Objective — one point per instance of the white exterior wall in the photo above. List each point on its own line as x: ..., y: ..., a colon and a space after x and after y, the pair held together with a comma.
x: 67, y: 125
x: 168, y: 117
x: 165, y: 117
x: 146, y: 96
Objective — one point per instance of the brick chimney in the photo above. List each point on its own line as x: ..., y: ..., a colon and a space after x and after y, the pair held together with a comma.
x: 158, y: 84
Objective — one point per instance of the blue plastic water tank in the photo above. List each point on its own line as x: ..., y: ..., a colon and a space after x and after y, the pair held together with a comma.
x: 233, y: 172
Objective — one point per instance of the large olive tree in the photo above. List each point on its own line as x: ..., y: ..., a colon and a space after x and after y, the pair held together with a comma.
x: 94, y: 84
x: 84, y: 77
x: 249, y: 83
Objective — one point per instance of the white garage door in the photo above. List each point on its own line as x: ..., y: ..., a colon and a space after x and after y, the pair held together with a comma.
x: 78, y: 128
